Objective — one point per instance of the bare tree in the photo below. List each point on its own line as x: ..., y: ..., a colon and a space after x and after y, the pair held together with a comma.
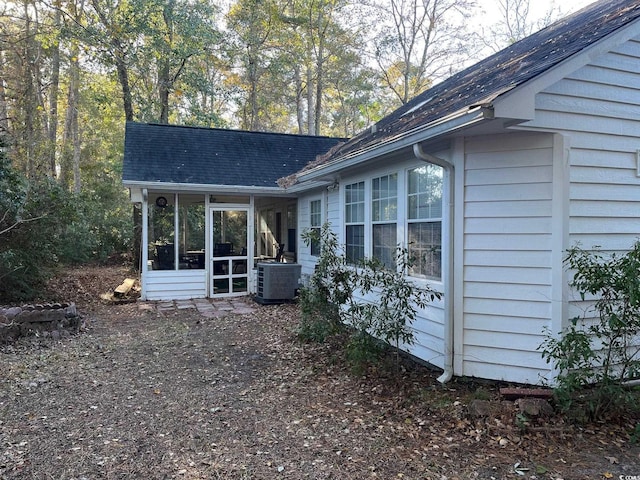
x: 422, y: 41
x: 516, y: 22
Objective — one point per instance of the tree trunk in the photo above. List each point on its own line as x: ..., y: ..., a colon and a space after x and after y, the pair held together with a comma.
x: 70, y: 141
x: 29, y: 97
x: 322, y: 32
x: 319, y: 89
x: 4, y: 112
x: 253, y: 91
x: 310, y: 103
x: 163, y: 91
x: 53, y: 100
x: 299, y: 98
x: 123, y: 77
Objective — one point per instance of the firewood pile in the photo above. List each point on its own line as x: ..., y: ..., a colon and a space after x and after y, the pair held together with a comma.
x: 127, y: 292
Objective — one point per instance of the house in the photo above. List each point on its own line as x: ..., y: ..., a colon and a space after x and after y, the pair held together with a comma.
x: 202, y: 191
x: 487, y: 178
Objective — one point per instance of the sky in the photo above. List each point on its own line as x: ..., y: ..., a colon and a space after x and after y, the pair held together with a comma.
x: 538, y: 8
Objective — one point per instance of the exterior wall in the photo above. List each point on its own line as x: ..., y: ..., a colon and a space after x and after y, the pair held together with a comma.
x: 176, y: 285
x: 305, y: 258
x: 429, y: 325
x: 508, y: 256
x: 598, y: 108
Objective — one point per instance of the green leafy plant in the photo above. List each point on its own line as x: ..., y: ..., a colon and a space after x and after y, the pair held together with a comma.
x: 329, y: 287
x: 635, y: 434
x: 397, y: 299
x: 600, y: 351
x: 379, y: 304
x: 522, y: 422
x: 33, y: 216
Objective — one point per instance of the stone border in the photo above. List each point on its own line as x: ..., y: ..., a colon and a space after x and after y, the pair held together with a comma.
x: 53, y: 320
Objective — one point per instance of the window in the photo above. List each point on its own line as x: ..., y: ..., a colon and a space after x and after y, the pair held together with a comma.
x: 384, y: 213
x: 354, y: 221
x: 424, y: 217
x: 315, y: 221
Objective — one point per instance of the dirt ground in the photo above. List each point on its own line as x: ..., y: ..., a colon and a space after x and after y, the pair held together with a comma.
x: 159, y: 395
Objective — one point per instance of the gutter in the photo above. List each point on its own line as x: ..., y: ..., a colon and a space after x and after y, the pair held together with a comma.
x: 447, y: 261
x: 205, y: 188
x: 454, y: 122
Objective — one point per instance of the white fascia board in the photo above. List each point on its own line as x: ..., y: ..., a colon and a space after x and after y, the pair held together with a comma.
x: 135, y: 195
x: 456, y: 121
x: 310, y: 185
x: 519, y: 103
x: 205, y: 188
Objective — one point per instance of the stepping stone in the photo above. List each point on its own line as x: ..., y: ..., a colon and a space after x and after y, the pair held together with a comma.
x: 165, y: 308
x: 184, y: 304
x: 146, y: 306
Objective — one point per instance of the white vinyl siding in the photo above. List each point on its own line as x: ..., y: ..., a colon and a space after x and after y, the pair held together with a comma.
x: 598, y: 107
x: 176, y: 285
x: 600, y: 98
x: 507, y: 255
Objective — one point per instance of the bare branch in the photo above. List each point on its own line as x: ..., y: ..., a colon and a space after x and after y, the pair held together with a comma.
x: 20, y: 222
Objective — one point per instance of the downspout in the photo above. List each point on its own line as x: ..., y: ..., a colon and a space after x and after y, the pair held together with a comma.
x: 447, y: 261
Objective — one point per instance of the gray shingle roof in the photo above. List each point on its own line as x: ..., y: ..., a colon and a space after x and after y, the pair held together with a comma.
x: 175, y: 154
x: 499, y: 73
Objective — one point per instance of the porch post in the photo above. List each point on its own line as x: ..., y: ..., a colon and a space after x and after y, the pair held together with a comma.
x: 144, y: 244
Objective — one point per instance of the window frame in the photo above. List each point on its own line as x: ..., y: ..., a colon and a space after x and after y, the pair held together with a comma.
x: 385, y: 252
x: 425, y: 220
x: 357, y: 225
x: 403, y: 221
x: 314, y: 244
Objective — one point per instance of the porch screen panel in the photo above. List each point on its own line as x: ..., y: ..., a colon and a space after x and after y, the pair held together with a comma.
x: 354, y: 221
x: 161, y: 227
x: 384, y: 213
x: 424, y: 200
x: 191, y: 231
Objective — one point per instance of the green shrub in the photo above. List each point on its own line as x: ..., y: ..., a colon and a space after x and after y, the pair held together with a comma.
x: 328, y: 289
x: 33, y: 218
x: 103, y: 225
x: 595, y: 357
x: 329, y: 301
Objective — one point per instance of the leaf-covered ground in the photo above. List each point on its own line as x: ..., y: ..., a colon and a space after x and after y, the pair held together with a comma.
x: 148, y: 394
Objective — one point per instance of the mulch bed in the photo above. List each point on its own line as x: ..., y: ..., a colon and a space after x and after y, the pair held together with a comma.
x: 157, y: 395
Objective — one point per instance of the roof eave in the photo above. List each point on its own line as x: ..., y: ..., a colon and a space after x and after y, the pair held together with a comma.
x: 205, y: 188
x: 443, y: 126
x: 519, y: 102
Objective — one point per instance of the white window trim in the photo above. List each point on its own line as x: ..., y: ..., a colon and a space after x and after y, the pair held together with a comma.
x: 322, y: 219
x: 402, y: 220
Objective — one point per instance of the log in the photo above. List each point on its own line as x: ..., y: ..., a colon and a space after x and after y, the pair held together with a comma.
x: 124, y: 288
